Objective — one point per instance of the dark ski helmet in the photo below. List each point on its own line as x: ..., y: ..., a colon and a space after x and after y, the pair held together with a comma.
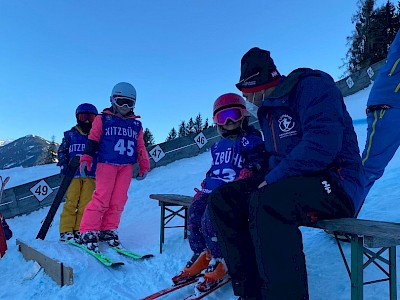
x: 86, y: 108
x: 85, y: 114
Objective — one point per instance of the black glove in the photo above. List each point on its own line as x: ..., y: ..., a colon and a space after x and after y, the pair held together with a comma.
x: 70, y: 169
x: 6, y: 228
x: 66, y: 171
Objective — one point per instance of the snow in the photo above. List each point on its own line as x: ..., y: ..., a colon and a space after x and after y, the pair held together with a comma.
x: 139, y: 231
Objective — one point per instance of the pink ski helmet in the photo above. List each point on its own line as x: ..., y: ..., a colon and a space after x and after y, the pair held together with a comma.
x: 228, y: 100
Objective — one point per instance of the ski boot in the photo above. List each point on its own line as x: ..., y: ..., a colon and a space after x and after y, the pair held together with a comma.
x: 193, y: 268
x: 90, y: 240
x: 215, y: 273
x: 66, y: 236
x: 110, y: 236
x: 77, y: 235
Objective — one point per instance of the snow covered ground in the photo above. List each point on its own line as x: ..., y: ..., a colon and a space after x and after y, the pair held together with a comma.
x: 139, y: 231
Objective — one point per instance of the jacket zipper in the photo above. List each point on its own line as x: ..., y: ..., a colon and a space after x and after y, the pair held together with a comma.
x: 271, y: 126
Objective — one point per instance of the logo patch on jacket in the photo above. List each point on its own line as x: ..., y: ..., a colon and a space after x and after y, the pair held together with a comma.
x: 326, y: 186
x: 286, y: 124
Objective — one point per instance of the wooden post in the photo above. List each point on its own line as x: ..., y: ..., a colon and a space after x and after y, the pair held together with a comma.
x: 392, y: 273
x: 357, y: 268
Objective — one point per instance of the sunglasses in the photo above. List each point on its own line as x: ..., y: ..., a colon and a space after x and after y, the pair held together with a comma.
x: 233, y: 113
x: 124, y: 102
x: 86, y: 116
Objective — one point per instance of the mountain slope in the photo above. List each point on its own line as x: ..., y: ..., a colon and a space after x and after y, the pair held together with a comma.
x: 139, y: 231
x: 28, y: 151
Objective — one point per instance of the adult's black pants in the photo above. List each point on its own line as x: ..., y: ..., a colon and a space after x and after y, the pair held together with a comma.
x: 258, y: 231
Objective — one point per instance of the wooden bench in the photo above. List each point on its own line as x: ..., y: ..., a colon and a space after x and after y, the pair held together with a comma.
x: 364, y: 235
x: 369, y: 239
x: 172, y: 205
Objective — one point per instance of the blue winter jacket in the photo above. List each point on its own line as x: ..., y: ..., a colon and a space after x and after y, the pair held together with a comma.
x: 230, y: 155
x: 118, y: 144
x: 307, y: 130
x: 386, y: 88
x: 73, y: 144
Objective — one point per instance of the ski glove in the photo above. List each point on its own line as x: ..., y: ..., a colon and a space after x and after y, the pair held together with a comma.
x: 66, y: 171
x: 7, y: 231
x: 244, y: 173
x: 86, y: 162
x: 197, y: 195
x: 141, y: 176
x: 70, y: 168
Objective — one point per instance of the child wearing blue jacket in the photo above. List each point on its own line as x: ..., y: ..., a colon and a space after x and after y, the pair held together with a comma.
x: 383, y: 113
x: 234, y: 157
x: 81, y: 188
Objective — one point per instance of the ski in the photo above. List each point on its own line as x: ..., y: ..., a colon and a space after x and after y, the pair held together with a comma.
x: 169, y: 290
x: 3, y: 184
x: 74, y: 165
x: 199, y: 295
x: 3, y: 241
x: 128, y: 253
x: 99, y: 256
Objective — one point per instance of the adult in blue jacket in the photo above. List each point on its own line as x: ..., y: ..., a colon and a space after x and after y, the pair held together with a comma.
x: 383, y: 113
x: 314, y: 172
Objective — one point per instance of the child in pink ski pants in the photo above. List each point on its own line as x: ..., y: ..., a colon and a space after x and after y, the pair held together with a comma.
x: 117, y: 137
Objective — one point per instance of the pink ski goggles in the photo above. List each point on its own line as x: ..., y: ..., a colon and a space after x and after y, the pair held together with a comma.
x: 233, y: 113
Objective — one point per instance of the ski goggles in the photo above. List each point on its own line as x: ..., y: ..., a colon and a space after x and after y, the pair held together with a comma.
x: 86, y: 117
x: 124, y: 102
x: 233, y: 113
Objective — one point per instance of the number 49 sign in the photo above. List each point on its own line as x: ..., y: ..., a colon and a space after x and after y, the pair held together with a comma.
x: 41, y: 190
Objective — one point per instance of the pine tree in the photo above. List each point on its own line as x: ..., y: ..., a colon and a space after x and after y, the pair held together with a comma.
x: 172, y: 135
x: 395, y: 21
x: 398, y: 11
x: 53, y: 150
x: 383, y: 31
x: 182, y: 129
x: 374, y: 31
x: 50, y: 155
x: 190, y: 127
x: 206, y: 125
x: 198, y: 124
x: 358, y: 56
x: 148, y: 138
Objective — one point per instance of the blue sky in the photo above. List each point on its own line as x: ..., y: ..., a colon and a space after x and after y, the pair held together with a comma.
x: 180, y: 55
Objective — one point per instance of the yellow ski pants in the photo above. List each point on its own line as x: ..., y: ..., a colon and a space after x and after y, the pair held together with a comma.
x: 78, y: 196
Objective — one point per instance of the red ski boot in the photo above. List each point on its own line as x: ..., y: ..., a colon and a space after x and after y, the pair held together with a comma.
x: 193, y: 268
x: 216, y: 272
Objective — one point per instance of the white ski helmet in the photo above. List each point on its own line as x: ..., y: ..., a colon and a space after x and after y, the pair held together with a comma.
x: 124, y: 89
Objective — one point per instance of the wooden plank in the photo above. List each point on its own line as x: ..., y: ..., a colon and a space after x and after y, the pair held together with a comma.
x: 376, y: 242
x: 173, y: 198
x: 383, y: 230
x: 375, y: 233
x: 60, y: 273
